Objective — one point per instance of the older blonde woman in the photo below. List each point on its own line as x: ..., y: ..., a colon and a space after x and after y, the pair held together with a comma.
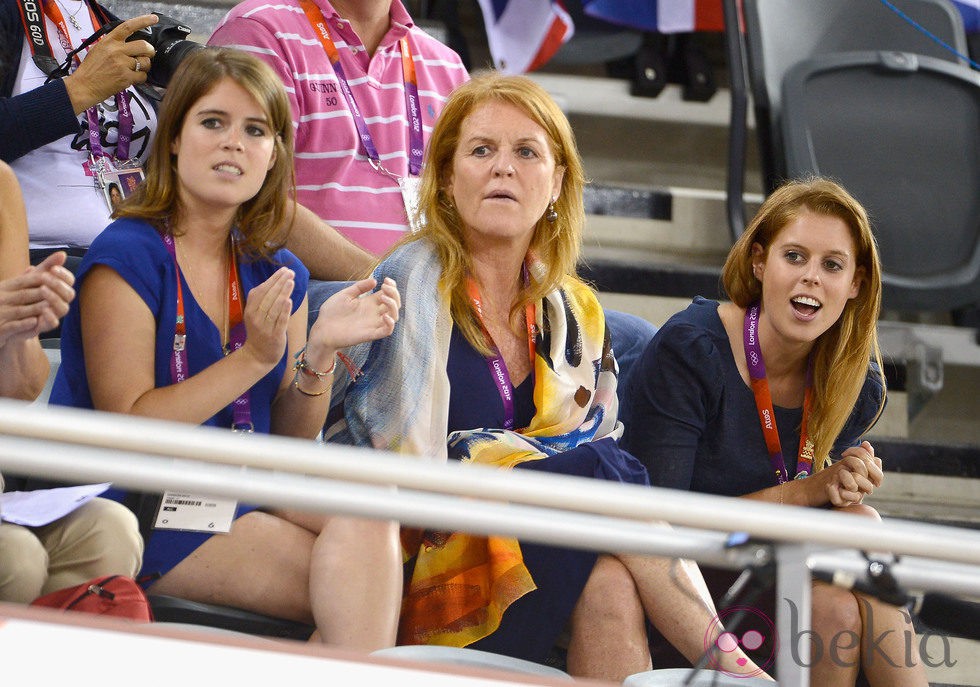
x: 502, y: 359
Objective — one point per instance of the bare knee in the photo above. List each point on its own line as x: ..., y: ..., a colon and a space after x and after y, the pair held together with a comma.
x: 610, y: 592
x: 608, y: 637
x: 347, y: 544
x: 276, y: 555
x: 860, y: 509
x: 362, y: 533
x: 835, y: 610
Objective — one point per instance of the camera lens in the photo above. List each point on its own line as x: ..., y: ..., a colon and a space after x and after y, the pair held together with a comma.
x: 167, y: 37
x: 168, y: 57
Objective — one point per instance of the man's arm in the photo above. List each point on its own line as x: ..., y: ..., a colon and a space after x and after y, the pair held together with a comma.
x: 327, y: 254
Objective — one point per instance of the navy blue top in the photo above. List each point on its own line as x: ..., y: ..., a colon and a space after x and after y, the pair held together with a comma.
x: 474, y: 399
x: 695, y: 424
x: 531, y: 625
x: 475, y: 403
x: 135, y: 251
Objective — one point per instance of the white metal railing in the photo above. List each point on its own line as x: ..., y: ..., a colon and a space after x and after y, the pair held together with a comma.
x: 151, y: 455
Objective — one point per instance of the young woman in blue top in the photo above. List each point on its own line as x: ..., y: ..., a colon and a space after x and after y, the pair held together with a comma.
x: 189, y: 311
x: 796, y: 349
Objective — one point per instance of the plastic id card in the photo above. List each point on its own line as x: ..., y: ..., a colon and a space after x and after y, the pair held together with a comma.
x: 195, y: 513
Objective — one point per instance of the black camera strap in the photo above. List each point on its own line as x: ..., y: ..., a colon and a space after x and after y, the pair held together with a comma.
x: 32, y: 17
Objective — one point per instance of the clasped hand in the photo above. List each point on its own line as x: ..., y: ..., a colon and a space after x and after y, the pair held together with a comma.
x: 857, y: 474
x: 35, y: 301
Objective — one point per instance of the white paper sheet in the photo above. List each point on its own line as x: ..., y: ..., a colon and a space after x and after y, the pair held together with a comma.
x: 44, y: 506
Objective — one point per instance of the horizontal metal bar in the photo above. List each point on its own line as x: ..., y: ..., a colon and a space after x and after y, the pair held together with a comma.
x: 270, y: 488
x: 912, y: 573
x: 767, y: 522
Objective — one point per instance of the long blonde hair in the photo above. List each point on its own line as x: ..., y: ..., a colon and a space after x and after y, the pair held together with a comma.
x: 264, y: 221
x: 556, y: 244
x: 841, y: 354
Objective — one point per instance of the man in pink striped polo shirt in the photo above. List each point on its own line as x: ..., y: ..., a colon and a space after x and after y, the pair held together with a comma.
x: 362, y: 113
x: 350, y: 169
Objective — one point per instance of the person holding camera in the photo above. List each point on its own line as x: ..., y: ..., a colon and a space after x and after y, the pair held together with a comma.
x: 69, y: 120
x: 67, y: 130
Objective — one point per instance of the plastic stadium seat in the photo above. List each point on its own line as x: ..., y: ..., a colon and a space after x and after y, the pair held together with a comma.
x: 675, y: 677
x: 169, y: 609
x: 781, y: 33
x: 471, y: 658
x: 902, y: 133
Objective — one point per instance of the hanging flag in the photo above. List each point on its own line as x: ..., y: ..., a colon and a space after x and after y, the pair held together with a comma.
x: 662, y: 16
x: 524, y: 34
x: 970, y: 9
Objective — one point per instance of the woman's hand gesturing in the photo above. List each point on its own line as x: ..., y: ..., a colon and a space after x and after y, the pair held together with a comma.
x: 356, y: 314
x: 35, y: 301
x: 267, y: 311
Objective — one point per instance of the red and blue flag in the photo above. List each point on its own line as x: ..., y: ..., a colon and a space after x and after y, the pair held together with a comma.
x: 524, y: 34
x: 662, y: 16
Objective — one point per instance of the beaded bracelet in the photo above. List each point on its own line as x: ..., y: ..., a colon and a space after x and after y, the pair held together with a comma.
x: 302, y: 366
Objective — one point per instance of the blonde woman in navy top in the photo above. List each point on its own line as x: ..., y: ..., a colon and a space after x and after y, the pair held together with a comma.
x: 767, y: 396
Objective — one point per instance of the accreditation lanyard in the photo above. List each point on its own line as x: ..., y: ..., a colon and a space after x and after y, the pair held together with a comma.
x: 242, y: 407
x: 37, y: 38
x: 763, y: 402
x: 319, y: 24
x: 495, y: 362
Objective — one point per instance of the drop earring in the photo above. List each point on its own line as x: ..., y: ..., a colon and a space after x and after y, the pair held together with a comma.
x: 551, y: 215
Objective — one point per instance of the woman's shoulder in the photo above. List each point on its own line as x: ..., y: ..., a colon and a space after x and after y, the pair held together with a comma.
x: 699, y: 323
x: 126, y: 239
x: 128, y: 228
x: 872, y: 396
x: 691, y: 343
x: 285, y: 257
x: 412, y: 259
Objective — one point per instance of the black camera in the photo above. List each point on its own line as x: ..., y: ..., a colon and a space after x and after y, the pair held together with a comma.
x: 168, y: 38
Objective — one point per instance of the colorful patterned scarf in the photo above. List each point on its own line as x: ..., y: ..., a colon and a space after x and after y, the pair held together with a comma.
x: 462, y: 584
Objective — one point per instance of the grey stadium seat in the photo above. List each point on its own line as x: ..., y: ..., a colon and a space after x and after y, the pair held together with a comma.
x: 902, y: 133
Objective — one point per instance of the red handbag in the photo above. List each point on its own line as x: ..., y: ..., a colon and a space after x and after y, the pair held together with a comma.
x: 112, y: 595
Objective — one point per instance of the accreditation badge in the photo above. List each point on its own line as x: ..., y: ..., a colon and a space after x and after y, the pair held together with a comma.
x: 117, y: 182
x: 409, y: 186
x: 195, y: 513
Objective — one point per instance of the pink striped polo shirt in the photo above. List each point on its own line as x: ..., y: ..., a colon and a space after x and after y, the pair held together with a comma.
x: 334, y: 177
